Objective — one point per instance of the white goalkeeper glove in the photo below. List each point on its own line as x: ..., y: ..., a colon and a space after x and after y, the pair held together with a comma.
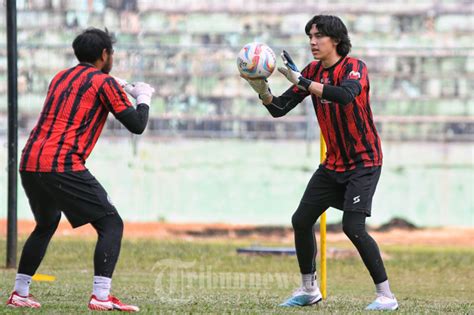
x: 140, y: 91
x: 292, y: 73
x: 124, y: 84
x: 260, y: 86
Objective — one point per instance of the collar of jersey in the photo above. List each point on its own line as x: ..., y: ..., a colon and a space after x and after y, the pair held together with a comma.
x: 334, y: 65
x: 86, y: 64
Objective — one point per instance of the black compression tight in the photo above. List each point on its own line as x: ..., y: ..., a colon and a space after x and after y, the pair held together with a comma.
x: 109, y: 229
x: 107, y: 250
x: 353, y: 225
x: 36, y: 245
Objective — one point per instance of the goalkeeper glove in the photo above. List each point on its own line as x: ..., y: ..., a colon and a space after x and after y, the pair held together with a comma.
x: 260, y: 86
x: 140, y: 91
x: 292, y: 73
x: 124, y: 84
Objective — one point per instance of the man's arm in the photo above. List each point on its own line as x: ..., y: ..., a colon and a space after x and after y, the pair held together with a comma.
x: 135, y: 120
x: 115, y: 99
x: 280, y: 106
x: 343, y: 94
x: 277, y: 106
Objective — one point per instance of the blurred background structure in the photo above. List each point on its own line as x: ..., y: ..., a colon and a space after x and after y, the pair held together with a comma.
x: 211, y: 153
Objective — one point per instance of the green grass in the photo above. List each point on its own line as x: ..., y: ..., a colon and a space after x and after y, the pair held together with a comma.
x: 209, y: 277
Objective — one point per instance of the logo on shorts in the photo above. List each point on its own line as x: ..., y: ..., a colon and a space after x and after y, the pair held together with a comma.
x: 356, y: 199
x: 110, y: 200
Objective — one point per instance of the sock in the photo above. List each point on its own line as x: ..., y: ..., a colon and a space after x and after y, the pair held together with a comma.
x: 101, y: 287
x: 309, y: 281
x: 22, y: 284
x: 383, y: 289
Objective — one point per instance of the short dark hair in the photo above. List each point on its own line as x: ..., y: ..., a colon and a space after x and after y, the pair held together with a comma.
x: 333, y: 27
x: 88, y: 45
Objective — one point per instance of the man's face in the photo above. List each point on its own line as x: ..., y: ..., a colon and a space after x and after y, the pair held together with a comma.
x: 322, y: 46
x: 108, y: 62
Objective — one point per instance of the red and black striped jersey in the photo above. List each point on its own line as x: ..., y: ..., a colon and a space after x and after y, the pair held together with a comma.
x: 73, y: 116
x: 351, y: 138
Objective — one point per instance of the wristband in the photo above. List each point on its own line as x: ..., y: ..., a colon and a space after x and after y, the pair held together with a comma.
x: 269, y: 92
x: 304, y: 83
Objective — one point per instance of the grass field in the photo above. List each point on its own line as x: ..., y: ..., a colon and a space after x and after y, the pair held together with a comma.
x: 209, y: 277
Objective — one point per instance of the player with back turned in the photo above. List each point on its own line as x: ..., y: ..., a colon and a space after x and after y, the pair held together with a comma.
x: 53, y: 171
x: 347, y: 178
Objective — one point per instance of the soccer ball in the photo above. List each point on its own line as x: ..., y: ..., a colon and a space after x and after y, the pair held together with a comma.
x: 256, y: 61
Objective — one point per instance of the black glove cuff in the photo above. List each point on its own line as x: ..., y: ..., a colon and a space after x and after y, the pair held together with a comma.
x: 304, y: 83
x: 260, y: 97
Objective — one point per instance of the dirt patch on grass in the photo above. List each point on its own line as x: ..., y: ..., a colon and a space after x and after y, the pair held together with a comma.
x: 446, y: 236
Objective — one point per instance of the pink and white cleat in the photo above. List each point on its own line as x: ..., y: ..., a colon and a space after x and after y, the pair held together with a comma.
x: 16, y: 300
x: 111, y: 304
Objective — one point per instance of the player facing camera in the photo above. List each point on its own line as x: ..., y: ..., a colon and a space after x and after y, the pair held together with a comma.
x: 346, y: 179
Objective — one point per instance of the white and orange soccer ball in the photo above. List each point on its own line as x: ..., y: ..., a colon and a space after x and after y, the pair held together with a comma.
x: 256, y: 61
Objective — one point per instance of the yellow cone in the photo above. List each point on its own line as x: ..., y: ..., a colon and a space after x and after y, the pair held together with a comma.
x: 41, y: 277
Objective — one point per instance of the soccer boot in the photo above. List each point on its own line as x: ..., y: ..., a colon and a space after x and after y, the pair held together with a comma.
x: 111, y: 304
x: 383, y: 303
x: 16, y: 300
x: 303, y: 297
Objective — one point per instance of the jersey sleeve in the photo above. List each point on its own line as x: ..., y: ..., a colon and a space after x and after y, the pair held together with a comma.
x: 355, y: 76
x: 294, y: 95
x: 113, y: 97
x: 284, y: 103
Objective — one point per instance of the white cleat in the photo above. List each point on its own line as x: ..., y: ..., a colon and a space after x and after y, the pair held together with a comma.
x: 383, y: 303
x: 303, y: 297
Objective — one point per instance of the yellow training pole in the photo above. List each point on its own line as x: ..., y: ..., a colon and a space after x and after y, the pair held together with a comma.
x: 322, y: 230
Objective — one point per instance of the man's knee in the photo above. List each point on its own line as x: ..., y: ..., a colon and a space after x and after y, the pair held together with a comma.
x: 353, y: 225
x: 119, y: 224
x: 48, y: 226
x: 302, y: 219
x: 110, y: 225
x: 114, y: 225
x: 350, y: 230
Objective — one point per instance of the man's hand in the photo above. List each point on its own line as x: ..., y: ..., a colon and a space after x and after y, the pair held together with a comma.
x: 124, y: 84
x: 292, y: 73
x: 141, y: 91
x: 260, y: 86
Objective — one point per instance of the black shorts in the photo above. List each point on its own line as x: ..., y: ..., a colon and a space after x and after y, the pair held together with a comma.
x: 78, y: 194
x: 348, y: 191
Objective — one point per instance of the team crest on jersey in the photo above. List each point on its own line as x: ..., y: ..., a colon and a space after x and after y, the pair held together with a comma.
x: 354, y: 75
x: 325, y: 81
